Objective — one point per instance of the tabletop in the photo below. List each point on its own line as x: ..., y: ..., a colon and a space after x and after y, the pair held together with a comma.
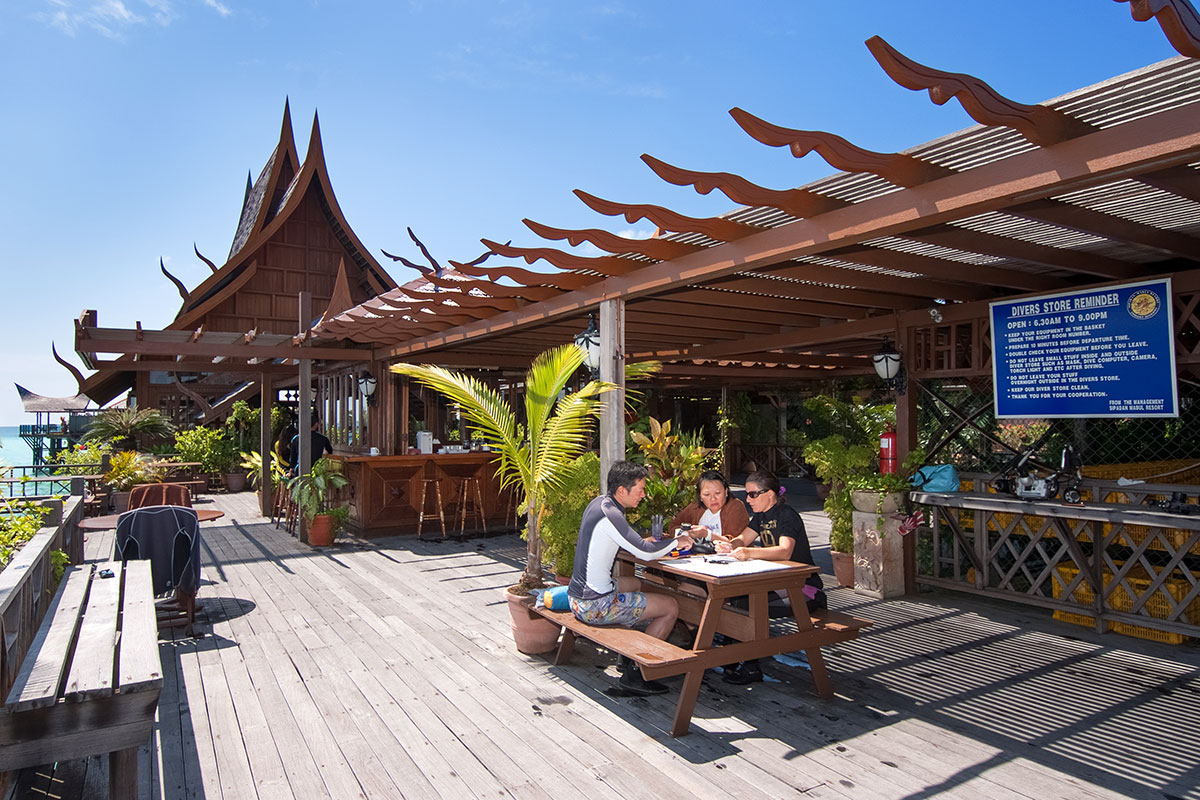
x: 110, y: 520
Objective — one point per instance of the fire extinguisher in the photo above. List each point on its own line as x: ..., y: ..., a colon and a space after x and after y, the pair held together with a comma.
x: 887, y: 452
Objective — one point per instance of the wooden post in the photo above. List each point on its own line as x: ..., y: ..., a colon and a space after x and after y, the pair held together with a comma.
x: 906, y: 442
x: 404, y: 393
x: 304, y: 441
x: 267, y: 399
x: 612, y: 369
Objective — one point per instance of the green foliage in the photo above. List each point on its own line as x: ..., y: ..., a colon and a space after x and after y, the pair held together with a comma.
x: 252, y: 463
x: 242, y: 426
x: 675, y: 462
x: 129, y: 428
x: 837, y: 463
x: 211, y: 448
x: 128, y: 469
x: 58, y: 565
x: 565, y: 504
x: 744, y: 415
x: 856, y: 422
x: 313, y: 492
x: 20, y: 520
x: 82, y: 459
x: 532, y: 456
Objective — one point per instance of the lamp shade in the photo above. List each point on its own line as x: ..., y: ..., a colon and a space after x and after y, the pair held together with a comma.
x: 886, y: 362
x: 589, y: 340
x: 366, y: 384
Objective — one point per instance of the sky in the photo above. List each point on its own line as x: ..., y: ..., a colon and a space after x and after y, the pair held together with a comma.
x: 128, y: 127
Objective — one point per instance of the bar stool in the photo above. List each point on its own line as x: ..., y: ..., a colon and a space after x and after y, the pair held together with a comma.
x: 464, y: 488
x: 441, y: 511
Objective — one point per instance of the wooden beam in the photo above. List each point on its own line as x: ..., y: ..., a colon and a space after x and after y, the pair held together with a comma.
x: 114, y: 340
x: 962, y: 272
x: 1162, y: 140
x: 612, y: 370
x: 1109, y: 226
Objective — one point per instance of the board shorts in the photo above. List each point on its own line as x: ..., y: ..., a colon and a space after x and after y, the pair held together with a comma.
x: 616, y: 608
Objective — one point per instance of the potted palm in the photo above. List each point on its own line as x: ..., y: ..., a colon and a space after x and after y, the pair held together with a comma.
x: 531, y: 456
x: 313, y: 494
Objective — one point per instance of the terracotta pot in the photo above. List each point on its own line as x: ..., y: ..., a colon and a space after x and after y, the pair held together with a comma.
x: 531, y: 633
x: 320, y: 531
x: 843, y: 568
x: 120, y: 502
x: 235, y: 481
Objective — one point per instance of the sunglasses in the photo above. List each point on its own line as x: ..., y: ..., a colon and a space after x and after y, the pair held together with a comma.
x: 755, y: 492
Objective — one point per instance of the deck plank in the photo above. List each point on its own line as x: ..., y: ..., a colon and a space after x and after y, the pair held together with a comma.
x: 386, y: 669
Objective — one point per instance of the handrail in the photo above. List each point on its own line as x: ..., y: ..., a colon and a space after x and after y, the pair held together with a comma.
x: 26, y: 586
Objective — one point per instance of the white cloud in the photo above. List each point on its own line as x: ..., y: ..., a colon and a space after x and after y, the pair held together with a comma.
x: 219, y: 7
x: 114, y: 18
x: 634, y: 233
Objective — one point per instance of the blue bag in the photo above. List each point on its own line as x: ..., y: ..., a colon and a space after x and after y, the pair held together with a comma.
x: 555, y: 598
x: 936, y: 478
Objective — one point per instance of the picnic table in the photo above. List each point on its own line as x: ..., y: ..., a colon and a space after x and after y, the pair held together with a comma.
x: 109, y: 521
x: 701, y: 586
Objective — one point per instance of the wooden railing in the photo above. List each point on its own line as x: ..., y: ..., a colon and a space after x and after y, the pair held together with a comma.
x: 27, y: 585
x: 778, y: 459
x: 1118, y: 561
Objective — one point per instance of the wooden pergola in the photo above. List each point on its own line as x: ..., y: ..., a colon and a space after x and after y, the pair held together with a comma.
x: 1094, y: 187
x: 1098, y: 186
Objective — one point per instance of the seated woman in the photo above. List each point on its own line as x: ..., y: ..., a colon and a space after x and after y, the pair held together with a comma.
x: 714, y: 510
x: 775, y: 533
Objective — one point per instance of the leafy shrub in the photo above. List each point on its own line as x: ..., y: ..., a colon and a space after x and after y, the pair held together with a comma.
x: 565, y: 504
x: 211, y: 448
x: 128, y: 469
x: 82, y: 459
x: 19, y: 522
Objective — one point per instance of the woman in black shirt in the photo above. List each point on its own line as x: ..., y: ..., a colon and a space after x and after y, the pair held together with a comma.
x: 775, y: 533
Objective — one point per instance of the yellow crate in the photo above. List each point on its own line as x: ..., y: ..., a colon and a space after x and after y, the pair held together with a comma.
x: 1121, y: 600
x: 1142, y: 470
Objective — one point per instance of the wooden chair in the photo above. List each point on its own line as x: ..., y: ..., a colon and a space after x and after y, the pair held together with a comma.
x: 160, y: 494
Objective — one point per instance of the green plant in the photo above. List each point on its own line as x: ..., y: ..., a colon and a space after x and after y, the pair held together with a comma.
x: 565, y: 504
x: 20, y: 520
x: 313, y: 492
x: 128, y: 469
x: 533, y: 456
x: 82, y: 459
x: 209, y: 447
x: 242, y: 425
x: 837, y: 462
x: 129, y: 428
x: 58, y: 565
x: 252, y: 463
x: 884, y: 484
x: 675, y: 462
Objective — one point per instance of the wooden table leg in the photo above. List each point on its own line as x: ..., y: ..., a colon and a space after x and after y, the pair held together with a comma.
x: 687, y: 702
x: 566, y: 647
x: 122, y: 774
x: 816, y: 663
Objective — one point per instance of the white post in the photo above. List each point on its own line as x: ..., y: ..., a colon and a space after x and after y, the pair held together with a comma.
x: 612, y: 369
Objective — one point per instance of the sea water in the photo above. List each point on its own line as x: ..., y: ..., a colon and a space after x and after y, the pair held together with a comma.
x: 13, y: 450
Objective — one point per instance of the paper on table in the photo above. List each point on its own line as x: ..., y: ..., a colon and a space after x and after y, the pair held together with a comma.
x: 719, y: 569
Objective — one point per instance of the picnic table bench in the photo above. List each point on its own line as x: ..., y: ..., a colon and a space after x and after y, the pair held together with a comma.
x: 661, y: 659
x: 91, y: 679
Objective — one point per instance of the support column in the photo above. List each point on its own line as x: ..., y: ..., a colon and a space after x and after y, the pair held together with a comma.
x: 906, y: 442
x: 267, y: 399
x: 612, y: 369
x: 304, y: 465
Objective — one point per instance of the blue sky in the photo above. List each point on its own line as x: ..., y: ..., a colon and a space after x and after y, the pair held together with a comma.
x: 129, y: 125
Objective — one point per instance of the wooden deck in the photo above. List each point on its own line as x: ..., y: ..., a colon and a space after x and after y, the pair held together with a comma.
x: 386, y: 670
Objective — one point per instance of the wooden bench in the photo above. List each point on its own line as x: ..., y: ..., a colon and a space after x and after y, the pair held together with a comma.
x: 91, y: 679
x: 661, y: 659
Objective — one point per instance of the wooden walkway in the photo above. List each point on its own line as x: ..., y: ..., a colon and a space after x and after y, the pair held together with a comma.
x: 386, y: 670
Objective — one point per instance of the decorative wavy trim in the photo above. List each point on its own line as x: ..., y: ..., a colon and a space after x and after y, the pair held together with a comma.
x: 206, y: 409
x: 723, y: 230
x: 467, y: 301
x: 211, y: 265
x: 608, y: 265
x: 797, y: 202
x: 1040, y: 125
x: 183, y: 292
x: 494, y: 289
x: 650, y: 248
x: 1177, y: 18
x: 71, y: 368
x: 896, y: 168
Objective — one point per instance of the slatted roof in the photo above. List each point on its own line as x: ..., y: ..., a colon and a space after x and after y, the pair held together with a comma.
x: 1099, y: 185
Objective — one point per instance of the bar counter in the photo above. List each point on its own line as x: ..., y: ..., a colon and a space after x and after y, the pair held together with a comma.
x: 385, y: 493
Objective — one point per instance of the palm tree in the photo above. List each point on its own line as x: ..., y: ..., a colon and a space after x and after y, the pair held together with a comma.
x: 128, y: 427
x: 533, y: 456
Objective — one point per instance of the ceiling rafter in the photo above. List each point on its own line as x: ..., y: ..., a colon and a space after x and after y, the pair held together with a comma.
x: 897, y: 168
x: 797, y: 202
x: 658, y: 249
x: 1109, y: 226
x: 1042, y: 126
x: 873, y: 281
x: 947, y: 269
x: 605, y: 265
x: 716, y: 228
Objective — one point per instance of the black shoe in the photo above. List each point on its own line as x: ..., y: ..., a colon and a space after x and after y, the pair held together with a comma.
x: 633, y: 682
x: 743, y: 674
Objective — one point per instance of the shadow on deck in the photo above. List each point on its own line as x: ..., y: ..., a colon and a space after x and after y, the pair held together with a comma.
x: 386, y: 669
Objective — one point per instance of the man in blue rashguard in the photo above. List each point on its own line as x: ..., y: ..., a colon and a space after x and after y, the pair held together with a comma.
x: 599, y: 599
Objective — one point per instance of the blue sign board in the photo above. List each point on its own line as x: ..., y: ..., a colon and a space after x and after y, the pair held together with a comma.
x: 1098, y: 353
